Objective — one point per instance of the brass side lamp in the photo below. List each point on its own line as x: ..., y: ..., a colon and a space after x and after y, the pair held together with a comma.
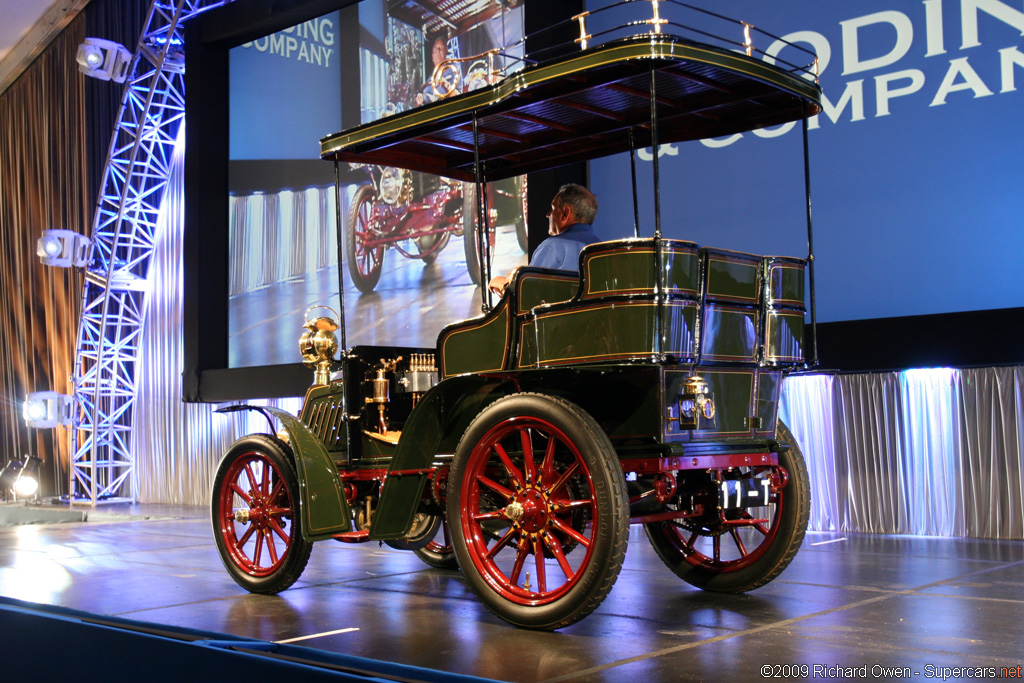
x: 695, y: 402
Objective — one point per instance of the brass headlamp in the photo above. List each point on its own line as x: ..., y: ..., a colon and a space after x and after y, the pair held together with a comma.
x: 318, y: 344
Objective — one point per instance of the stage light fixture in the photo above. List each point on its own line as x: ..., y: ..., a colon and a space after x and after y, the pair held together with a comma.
x: 63, y: 248
x: 173, y: 49
x: 104, y: 59
x: 47, y: 409
x: 20, y: 477
x: 27, y: 483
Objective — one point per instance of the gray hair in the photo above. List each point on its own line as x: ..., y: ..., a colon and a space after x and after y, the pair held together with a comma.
x: 581, y: 200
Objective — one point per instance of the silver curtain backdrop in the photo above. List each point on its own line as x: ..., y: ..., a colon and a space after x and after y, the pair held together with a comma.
x: 931, y: 452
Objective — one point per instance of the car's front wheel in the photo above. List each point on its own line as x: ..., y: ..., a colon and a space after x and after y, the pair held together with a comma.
x: 256, y: 518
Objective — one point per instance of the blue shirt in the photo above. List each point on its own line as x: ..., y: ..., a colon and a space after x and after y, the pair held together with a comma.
x: 562, y: 252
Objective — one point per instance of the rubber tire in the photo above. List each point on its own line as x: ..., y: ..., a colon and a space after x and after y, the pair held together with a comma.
x: 290, y: 565
x: 364, y: 281
x: 422, y: 538
x: 796, y: 505
x: 594, y: 579
x: 438, y: 555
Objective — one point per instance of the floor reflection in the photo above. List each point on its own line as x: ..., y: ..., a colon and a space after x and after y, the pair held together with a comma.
x: 864, y: 601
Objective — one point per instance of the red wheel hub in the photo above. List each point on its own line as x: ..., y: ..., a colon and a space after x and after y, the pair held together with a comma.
x: 529, y: 510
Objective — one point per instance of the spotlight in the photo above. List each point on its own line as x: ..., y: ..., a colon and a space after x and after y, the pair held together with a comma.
x: 21, y: 477
x: 63, y: 248
x: 173, y: 49
x: 47, y: 409
x: 26, y: 486
x: 27, y: 483
x: 103, y: 59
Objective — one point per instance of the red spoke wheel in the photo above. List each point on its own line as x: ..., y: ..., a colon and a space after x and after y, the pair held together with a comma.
x: 439, y: 552
x: 364, y: 262
x: 256, y: 515
x: 539, y: 511
x: 741, y: 550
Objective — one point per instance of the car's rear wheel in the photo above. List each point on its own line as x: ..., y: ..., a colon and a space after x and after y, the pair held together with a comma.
x: 539, y: 512
x: 439, y: 552
x: 739, y: 550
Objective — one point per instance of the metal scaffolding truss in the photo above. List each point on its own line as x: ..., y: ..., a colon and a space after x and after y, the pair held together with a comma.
x: 114, y: 299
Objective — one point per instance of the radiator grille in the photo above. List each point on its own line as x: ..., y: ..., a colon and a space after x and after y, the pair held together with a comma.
x: 324, y: 418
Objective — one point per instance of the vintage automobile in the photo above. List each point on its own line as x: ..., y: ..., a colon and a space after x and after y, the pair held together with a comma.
x: 417, y: 215
x: 642, y: 390
x: 386, y: 214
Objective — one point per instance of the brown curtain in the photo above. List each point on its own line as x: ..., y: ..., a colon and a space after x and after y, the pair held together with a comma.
x: 43, y: 184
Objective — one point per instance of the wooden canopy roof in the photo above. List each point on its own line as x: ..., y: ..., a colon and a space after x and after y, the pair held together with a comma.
x: 584, y: 106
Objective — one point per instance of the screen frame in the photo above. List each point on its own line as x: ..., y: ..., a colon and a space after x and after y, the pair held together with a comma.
x: 209, y: 39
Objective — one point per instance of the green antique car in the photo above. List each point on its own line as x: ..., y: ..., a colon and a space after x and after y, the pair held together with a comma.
x: 642, y: 390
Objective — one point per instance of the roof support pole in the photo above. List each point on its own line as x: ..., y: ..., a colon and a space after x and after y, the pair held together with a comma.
x: 632, y: 169
x: 341, y: 253
x: 810, y: 248
x: 659, y: 270
x: 483, y: 243
x: 343, y: 341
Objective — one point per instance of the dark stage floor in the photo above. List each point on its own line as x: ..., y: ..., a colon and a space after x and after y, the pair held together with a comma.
x: 850, y: 601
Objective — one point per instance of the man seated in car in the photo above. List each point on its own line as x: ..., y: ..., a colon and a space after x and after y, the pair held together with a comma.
x: 573, y: 211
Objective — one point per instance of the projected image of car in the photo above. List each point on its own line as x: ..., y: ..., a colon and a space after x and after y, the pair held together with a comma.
x: 414, y: 213
x: 390, y: 212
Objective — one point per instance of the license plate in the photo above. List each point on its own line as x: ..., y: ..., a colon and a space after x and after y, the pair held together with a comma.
x: 734, y: 494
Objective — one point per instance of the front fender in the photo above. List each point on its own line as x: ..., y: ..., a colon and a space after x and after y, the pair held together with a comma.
x: 322, y: 503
